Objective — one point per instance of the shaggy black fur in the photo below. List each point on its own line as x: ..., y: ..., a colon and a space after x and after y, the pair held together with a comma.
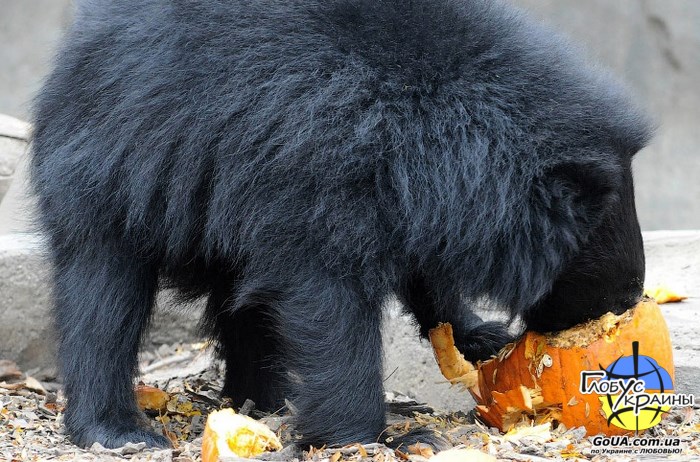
x: 300, y: 161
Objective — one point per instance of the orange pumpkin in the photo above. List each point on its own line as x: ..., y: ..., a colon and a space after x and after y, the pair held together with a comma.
x: 228, y: 434
x: 538, y: 377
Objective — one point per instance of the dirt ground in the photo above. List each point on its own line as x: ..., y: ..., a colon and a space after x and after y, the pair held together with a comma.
x: 31, y: 423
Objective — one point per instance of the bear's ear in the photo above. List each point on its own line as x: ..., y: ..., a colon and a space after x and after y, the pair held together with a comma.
x: 576, y: 195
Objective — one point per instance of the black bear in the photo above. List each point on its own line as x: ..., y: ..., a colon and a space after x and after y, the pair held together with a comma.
x: 298, y: 162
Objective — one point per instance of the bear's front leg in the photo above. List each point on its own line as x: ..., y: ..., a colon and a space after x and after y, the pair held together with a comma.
x: 432, y: 301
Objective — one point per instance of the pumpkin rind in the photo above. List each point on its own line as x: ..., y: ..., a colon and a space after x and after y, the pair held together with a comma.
x: 539, y: 379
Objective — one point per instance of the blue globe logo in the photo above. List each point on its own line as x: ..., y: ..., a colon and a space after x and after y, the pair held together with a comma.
x: 656, y: 380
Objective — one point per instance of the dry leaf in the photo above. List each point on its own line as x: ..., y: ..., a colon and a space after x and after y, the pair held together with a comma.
x: 363, y: 452
x: 570, y: 452
x: 12, y: 386
x: 9, y: 370
x: 172, y: 437
x: 540, y: 433
x: 421, y: 450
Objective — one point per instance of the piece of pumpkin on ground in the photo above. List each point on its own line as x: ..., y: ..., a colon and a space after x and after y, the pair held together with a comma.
x: 538, y: 377
x: 228, y: 434
x: 663, y: 294
x: 151, y: 398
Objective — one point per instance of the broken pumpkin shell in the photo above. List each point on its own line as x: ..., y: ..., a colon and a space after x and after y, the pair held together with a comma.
x: 538, y: 377
x: 228, y: 434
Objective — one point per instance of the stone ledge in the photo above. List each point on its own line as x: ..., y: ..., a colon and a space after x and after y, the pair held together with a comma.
x: 26, y: 331
x: 14, y: 128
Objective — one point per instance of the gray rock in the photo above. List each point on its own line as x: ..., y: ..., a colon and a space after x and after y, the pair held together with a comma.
x: 25, y: 331
x: 26, y: 334
x: 13, y: 144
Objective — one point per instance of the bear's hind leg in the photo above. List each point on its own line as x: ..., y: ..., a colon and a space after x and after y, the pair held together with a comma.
x: 331, y: 334
x: 246, y: 339
x: 103, y: 300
